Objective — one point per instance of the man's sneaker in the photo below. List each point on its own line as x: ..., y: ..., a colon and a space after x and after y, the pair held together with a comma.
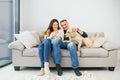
x: 59, y: 70
x: 77, y: 72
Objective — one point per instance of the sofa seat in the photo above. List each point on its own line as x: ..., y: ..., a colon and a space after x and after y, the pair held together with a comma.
x: 33, y: 52
x: 65, y: 53
x: 94, y: 52
x: 85, y: 52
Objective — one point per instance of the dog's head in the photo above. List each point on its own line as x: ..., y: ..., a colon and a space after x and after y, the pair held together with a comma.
x: 71, y: 33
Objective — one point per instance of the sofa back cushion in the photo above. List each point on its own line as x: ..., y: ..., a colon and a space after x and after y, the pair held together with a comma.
x: 92, y: 34
x: 29, y: 38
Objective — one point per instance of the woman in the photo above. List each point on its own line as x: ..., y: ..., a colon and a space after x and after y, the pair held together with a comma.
x: 45, y: 46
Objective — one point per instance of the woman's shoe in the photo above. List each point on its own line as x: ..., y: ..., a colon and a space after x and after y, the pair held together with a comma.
x: 46, y: 69
x: 41, y: 72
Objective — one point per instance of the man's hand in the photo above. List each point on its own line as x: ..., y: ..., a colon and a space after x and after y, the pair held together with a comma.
x: 74, y: 29
x: 77, y: 30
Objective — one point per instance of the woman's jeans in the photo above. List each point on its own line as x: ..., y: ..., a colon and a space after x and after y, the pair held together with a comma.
x: 57, y: 44
x: 44, y: 51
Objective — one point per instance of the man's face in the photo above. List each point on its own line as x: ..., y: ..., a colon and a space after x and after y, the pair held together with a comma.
x: 65, y: 25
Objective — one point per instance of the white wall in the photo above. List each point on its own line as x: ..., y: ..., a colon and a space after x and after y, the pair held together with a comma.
x: 89, y: 15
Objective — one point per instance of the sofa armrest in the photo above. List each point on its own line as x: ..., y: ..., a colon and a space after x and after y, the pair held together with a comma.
x: 16, y: 45
x: 110, y: 46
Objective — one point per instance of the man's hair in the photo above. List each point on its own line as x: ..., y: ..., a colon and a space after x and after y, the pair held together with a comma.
x: 63, y: 21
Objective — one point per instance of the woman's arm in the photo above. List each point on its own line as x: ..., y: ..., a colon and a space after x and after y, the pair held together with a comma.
x: 51, y: 36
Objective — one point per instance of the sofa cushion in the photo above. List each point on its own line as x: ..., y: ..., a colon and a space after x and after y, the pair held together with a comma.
x: 65, y: 53
x: 33, y: 52
x: 92, y: 34
x: 98, y: 42
x: 93, y: 52
x: 28, y: 39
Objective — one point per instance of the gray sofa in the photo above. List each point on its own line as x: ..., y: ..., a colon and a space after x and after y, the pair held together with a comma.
x: 105, y: 56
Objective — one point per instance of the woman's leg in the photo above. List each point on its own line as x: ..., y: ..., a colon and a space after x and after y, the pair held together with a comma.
x: 47, y: 50
x: 41, y: 56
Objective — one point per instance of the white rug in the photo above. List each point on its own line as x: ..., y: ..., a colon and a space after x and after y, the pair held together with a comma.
x: 66, y: 76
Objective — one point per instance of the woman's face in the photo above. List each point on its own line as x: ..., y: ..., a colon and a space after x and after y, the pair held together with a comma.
x: 55, y: 26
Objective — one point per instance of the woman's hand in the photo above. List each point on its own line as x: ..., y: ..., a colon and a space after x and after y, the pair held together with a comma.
x: 55, y: 34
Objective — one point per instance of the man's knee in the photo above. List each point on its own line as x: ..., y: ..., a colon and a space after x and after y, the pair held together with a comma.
x: 71, y: 45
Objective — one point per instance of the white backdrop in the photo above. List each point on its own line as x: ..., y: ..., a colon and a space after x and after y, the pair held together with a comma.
x: 89, y: 15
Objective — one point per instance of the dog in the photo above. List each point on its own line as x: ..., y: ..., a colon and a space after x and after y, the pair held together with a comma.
x: 87, y: 43
x: 75, y: 37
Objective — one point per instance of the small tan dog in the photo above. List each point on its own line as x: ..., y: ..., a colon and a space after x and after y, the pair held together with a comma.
x: 75, y: 37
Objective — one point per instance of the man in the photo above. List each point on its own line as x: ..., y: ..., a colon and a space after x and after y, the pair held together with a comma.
x: 57, y: 44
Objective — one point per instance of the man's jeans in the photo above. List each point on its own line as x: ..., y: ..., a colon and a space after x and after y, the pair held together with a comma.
x: 44, y: 51
x: 57, y: 44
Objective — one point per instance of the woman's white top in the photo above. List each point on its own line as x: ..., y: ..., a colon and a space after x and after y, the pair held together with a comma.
x: 59, y: 35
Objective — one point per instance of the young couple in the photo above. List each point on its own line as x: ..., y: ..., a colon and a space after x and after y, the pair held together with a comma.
x: 54, y: 38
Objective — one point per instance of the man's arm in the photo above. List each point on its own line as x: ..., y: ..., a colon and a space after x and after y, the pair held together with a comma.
x: 84, y: 34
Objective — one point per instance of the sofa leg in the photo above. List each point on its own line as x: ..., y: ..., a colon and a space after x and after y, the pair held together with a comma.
x: 111, y: 68
x: 16, y: 68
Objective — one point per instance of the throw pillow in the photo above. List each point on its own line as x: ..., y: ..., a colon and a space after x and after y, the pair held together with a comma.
x: 28, y: 39
x: 36, y: 35
x: 98, y: 42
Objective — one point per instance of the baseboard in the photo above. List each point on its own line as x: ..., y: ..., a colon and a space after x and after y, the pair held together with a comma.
x: 5, y: 62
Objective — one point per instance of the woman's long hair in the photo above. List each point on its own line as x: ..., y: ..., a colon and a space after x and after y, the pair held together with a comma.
x: 50, y: 27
